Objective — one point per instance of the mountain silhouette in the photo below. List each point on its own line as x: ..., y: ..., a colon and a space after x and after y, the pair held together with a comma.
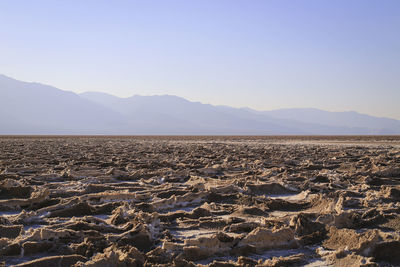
x: 33, y: 108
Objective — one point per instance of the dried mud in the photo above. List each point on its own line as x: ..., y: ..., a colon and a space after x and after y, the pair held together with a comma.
x: 200, y: 201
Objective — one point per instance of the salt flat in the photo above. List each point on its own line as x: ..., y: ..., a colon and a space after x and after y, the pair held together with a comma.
x: 199, y: 200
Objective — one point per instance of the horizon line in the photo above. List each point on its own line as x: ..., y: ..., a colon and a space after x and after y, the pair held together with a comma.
x: 197, y: 101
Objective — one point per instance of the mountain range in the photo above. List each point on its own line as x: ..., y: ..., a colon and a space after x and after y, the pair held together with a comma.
x: 34, y: 108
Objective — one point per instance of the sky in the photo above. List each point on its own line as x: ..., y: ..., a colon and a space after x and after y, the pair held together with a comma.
x: 334, y: 55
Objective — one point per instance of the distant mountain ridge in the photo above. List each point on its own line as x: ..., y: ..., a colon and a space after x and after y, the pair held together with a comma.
x: 33, y: 108
x: 345, y: 118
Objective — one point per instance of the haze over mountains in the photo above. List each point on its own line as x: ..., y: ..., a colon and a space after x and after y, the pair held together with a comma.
x: 33, y: 108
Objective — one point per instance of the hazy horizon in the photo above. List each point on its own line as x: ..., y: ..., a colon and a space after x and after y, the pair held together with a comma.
x: 265, y: 55
x: 193, y: 100
x: 35, y: 108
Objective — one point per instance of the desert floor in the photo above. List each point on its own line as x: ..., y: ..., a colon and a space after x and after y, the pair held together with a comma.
x: 187, y: 201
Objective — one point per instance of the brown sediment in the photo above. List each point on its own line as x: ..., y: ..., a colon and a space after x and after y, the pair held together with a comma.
x: 199, y: 201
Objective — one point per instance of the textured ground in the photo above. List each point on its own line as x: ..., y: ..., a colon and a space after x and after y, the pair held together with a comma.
x: 186, y: 201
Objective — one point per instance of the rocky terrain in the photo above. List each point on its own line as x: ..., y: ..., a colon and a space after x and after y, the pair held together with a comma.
x: 200, y: 201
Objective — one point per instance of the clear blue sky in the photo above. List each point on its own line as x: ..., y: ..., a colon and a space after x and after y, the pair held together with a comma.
x: 333, y: 55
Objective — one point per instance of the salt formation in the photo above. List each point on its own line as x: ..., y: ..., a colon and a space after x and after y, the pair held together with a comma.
x: 199, y: 201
